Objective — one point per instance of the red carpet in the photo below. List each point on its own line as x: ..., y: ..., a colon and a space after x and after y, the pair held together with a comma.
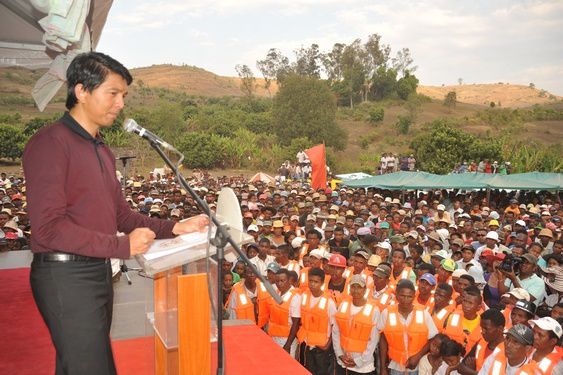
x: 26, y: 347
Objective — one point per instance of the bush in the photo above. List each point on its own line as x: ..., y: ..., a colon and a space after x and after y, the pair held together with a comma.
x: 403, y: 124
x: 12, y: 141
x: 201, y: 150
x: 376, y: 114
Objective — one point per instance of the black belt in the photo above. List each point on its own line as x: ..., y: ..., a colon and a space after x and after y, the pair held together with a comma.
x: 65, y: 257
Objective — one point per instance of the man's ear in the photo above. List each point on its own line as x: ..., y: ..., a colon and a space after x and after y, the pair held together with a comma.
x: 80, y: 92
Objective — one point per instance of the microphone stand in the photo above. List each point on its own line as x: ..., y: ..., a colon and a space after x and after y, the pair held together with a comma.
x: 222, y: 238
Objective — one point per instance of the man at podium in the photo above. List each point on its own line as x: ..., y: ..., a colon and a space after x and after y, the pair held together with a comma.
x: 77, y: 208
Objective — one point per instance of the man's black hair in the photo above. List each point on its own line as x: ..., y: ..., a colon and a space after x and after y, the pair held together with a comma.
x: 401, y: 251
x: 469, y: 278
x: 284, y: 249
x: 427, y: 267
x: 317, y: 272
x: 91, y: 69
x: 265, y: 240
x: 283, y: 271
x: 405, y: 284
x: 494, y: 316
x: 446, y: 287
x: 451, y: 348
x: 473, y: 291
x: 314, y: 232
x: 292, y: 276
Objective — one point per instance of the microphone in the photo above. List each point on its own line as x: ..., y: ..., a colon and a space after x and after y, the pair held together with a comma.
x: 131, y: 125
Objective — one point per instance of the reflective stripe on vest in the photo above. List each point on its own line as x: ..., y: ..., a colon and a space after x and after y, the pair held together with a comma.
x: 497, y: 367
x: 544, y: 364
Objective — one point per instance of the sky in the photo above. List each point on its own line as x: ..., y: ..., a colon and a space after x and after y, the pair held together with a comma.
x: 479, y: 41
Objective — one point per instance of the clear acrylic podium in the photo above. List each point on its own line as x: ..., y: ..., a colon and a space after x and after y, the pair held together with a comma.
x: 181, y: 312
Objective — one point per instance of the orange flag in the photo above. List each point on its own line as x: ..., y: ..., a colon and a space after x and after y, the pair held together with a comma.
x: 317, y: 155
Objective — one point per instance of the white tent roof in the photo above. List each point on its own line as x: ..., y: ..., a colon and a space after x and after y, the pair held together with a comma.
x: 73, y: 26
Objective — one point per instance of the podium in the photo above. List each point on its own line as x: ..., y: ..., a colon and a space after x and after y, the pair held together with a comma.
x: 181, y: 309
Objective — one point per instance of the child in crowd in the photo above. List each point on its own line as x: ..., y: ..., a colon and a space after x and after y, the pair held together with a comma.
x: 430, y: 363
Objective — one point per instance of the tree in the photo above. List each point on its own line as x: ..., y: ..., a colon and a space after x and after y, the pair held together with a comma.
x: 450, y: 100
x: 407, y: 85
x: 247, y: 80
x: 353, y: 72
x: 384, y: 83
x: 201, y: 150
x: 374, y: 56
x: 308, y: 61
x: 403, y: 62
x: 12, y: 141
x: 274, y: 67
x: 305, y: 107
x: 332, y: 63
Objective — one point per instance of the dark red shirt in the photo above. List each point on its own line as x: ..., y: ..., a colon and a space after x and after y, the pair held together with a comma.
x: 74, y: 199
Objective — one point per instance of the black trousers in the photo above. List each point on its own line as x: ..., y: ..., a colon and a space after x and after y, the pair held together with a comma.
x: 76, y: 302
x: 317, y: 361
x: 343, y: 371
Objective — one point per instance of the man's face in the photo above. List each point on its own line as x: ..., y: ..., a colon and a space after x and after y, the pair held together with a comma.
x: 424, y: 287
x: 4, y: 218
x: 315, y: 284
x: 405, y: 297
x: 263, y: 249
x: 463, y: 284
x: 542, y: 339
x: 282, y: 282
x: 103, y: 104
x: 489, y: 331
x: 557, y: 312
x: 442, y: 298
x: 519, y: 317
x: 527, y: 268
x: 514, y: 350
x: 470, y: 304
x: 398, y: 259
x: 313, y: 241
x: 357, y: 291
x: 467, y: 255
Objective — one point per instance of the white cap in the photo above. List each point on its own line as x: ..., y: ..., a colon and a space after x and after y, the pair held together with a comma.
x: 441, y: 207
x: 230, y: 257
x: 384, y: 245
x: 457, y: 273
x: 252, y: 227
x: 548, y: 324
x: 407, y: 205
x: 519, y: 293
x: 494, y: 215
x: 477, y: 274
x: 492, y: 235
x: 317, y: 253
x: 522, y: 223
x: 297, y: 242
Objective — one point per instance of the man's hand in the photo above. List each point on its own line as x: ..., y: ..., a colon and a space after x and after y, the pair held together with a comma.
x: 140, y: 240
x: 412, y: 362
x: 287, y: 347
x: 347, y: 360
x: 510, y: 275
x: 193, y: 224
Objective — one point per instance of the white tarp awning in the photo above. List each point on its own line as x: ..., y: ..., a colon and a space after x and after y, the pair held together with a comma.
x: 49, y: 34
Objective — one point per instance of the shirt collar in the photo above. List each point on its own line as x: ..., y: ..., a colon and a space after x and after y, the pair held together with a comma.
x: 73, y: 125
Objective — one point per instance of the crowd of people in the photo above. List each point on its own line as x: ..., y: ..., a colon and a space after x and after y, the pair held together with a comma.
x: 484, y: 166
x: 444, y: 282
x: 389, y: 163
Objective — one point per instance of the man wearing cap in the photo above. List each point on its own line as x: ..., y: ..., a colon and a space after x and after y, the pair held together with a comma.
x: 77, y: 208
x: 424, y: 294
x: 526, y: 279
x: 335, y: 268
x: 315, y: 261
x: 284, y: 319
x: 361, y: 233
x: 517, y: 346
x: 445, y: 271
x: 383, y: 249
x: 317, y: 318
x: 407, y: 330
x: 491, y: 242
x: 547, y: 356
x: 522, y: 312
x: 383, y: 293
x: 355, y: 335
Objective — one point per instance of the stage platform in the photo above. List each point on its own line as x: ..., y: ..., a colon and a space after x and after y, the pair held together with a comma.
x: 26, y: 347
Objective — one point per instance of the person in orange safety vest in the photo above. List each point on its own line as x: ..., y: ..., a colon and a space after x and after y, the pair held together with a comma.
x: 284, y: 319
x: 242, y: 302
x: 317, y: 317
x: 407, y: 330
x: 315, y: 261
x: 442, y: 307
x: 463, y: 324
x: 335, y: 268
x: 424, y: 296
x: 383, y: 293
x: 547, y: 354
x: 355, y: 335
x: 400, y: 271
x: 512, y: 359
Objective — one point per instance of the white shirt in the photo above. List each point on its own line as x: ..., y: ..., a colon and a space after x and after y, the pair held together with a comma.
x: 261, y: 265
x: 432, y: 331
x: 364, y: 361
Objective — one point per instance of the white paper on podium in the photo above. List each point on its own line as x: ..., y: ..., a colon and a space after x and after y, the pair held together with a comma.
x: 162, y: 248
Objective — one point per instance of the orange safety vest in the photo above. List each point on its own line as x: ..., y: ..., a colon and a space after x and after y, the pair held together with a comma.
x: 404, y: 275
x: 355, y: 331
x: 279, y: 315
x: 480, y: 350
x: 244, y: 307
x: 545, y: 366
x: 385, y: 300
x: 428, y: 303
x: 262, y: 298
x: 395, y: 331
x: 314, y: 320
x: 454, y: 329
x: 440, y: 317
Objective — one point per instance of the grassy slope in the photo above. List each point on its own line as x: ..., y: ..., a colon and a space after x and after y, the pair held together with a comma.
x: 17, y: 82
